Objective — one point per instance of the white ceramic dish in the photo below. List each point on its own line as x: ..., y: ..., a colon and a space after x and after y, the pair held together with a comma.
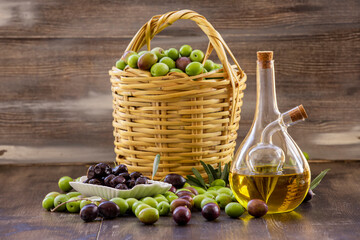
x: 139, y: 191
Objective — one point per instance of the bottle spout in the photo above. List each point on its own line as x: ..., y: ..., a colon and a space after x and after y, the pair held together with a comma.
x: 294, y: 115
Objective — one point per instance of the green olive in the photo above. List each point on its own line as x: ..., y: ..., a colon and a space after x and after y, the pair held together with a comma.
x: 218, y: 182
x: 198, y: 199
x: 206, y: 201
x: 223, y: 200
x: 141, y: 207
x: 73, y: 207
x: 120, y: 64
x: 52, y: 194
x: 133, y: 60
x: 148, y: 215
x: 83, y: 203
x: 123, y: 205
x: 135, y: 205
x: 225, y: 191
x: 209, y: 65
x: 159, y: 69
x: 185, y: 50
x: 234, y: 210
x: 212, y: 192
x: 200, y: 190
x: 150, y: 201
x: 163, y: 208
x: 194, y: 68
x: 59, y: 200
x: 64, y: 183
x: 48, y: 203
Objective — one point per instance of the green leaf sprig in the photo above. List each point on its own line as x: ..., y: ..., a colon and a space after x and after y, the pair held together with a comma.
x: 212, y: 174
x: 314, y: 183
x: 155, y: 165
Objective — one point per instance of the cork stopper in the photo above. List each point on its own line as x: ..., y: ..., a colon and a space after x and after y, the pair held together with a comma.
x: 298, y: 113
x: 264, y: 57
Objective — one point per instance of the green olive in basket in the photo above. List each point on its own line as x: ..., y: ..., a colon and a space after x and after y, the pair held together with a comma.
x: 159, y: 69
x: 133, y: 60
x: 209, y: 65
x: 197, y: 56
x: 121, y: 64
x: 176, y: 70
x: 142, y: 52
x: 185, y: 50
x: 217, y: 66
x: 172, y: 53
x: 126, y: 55
x: 194, y: 68
x: 168, y: 61
x: 147, y: 60
x: 159, y: 52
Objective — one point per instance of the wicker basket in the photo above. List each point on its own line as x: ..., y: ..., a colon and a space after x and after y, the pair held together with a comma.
x: 184, y: 118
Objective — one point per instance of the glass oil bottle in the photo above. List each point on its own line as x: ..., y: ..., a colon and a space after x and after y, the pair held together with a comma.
x: 268, y: 164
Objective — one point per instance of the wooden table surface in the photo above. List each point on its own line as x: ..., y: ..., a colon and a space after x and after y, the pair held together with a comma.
x: 332, y: 214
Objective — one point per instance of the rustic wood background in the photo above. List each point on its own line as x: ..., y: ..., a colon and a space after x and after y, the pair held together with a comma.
x: 55, y: 99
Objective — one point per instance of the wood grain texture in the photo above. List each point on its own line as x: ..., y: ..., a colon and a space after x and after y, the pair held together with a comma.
x: 332, y: 214
x: 54, y: 83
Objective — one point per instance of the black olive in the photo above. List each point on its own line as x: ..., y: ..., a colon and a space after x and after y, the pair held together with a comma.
x: 117, y: 180
x: 121, y: 186
x: 141, y: 180
x: 309, y: 196
x: 121, y: 168
x: 130, y: 183
x: 95, y: 181
x: 90, y: 172
x: 125, y: 175
x: 108, y: 179
x: 135, y: 175
x: 176, y: 180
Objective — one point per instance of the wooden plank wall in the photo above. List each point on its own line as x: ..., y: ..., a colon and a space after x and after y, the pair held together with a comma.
x: 55, y: 99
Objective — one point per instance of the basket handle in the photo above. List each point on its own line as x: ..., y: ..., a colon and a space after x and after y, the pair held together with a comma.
x: 159, y: 22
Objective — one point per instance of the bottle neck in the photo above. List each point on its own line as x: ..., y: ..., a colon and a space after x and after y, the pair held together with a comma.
x: 266, y: 105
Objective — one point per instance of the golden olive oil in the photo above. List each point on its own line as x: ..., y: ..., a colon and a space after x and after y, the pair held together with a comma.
x: 281, y: 192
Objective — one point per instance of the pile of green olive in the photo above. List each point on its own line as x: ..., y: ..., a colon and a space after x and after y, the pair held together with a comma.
x: 160, y: 62
x: 180, y: 200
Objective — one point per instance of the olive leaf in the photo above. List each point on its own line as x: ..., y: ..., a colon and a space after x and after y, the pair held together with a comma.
x: 199, y: 177
x: 219, y: 170
x: 155, y: 165
x: 208, y: 172
x: 193, y: 181
x: 225, y: 173
x: 212, y: 170
x: 314, y: 183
